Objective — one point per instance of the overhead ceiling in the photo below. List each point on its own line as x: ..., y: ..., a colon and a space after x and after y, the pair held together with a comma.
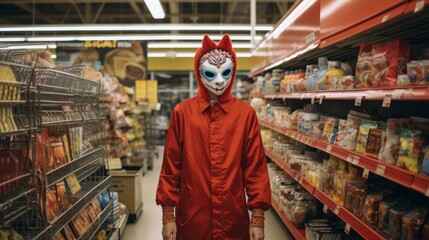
x: 28, y: 12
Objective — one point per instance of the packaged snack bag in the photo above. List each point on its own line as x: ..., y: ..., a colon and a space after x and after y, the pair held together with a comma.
x: 409, y: 152
x: 363, y: 135
x: 363, y: 66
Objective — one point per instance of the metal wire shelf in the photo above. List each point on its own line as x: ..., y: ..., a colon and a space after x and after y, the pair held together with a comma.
x: 89, y: 190
x: 77, y: 164
x: 96, y: 224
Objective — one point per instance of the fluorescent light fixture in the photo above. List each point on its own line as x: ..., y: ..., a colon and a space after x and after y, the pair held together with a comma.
x: 53, y: 56
x: 33, y: 46
x: 133, y: 37
x: 133, y: 27
x: 155, y: 8
x: 186, y: 54
x: 12, y: 39
x: 191, y: 45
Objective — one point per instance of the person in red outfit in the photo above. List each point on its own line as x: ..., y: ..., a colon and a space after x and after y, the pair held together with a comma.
x: 213, y: 157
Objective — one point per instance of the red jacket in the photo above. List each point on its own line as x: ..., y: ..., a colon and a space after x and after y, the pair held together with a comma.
x: 212, y: 155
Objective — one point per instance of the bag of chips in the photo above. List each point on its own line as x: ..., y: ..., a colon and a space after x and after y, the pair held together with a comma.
x: 363, y: 66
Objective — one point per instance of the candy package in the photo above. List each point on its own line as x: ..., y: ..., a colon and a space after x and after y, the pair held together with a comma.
x: 330, y: 129
x: 393, y: 142
x: 375, y: 143
x: 395, y: 221
x: 384, y: 213
x: 370, y: 208
x: 362, y: 138
x: 363, y: 66
x: 409, y: 152
x: 412, y: 223
x: 355, y: 196
x: 61, y: 195
x: 58, y: 153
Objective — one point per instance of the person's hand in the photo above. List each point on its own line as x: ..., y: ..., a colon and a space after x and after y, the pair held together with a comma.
x: 169, y: 231
x: 256, y: 233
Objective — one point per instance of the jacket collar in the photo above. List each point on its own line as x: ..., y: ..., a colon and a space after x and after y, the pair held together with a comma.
x: 204, y: 104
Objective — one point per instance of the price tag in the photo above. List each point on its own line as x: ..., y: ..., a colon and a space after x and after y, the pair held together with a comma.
x: 300, y: 179
x: 321, y: 99
x: 385, y: 18
x: 325, y: 208
x: 386, y: 101
x: 284, y: 97
x: 419, y: 5
x: 347, y: 229
x: 365, y: 173
x: 313, y: 98
x: 358, y: 101
x: 337, y: 210
x: 380, y: 170
x: 272, y: 97
x: 349, y: 158
x: 397, y: 94
x: 302, y: 96
x: 328, y: 149
x: 355, y: 160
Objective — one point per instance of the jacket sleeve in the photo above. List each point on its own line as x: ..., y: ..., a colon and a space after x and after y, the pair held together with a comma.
x: 256, y: 179
x: 167, y: 193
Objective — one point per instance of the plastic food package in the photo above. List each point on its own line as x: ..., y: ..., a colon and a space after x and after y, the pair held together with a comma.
x: 323, y: 68
x: 49, y: 157
x: 294, y: 119
x: 375, y: 143
x: 69, y: 234
x: 395, y: 221
x: 61, y: 195
x: 388, y: 61
x: 51, y: 205
x: 58, y: 153
x: 418, y: 72
x: 355, y: 196
x: 59, y: 236
x: 363, y: 66
x: 384, y: 213
x: 340, y: 183
x: 409, y: 152
x: 370, y: 209
x: 425, y: 163
x: 305, y: 122
x: 330, y: 129
x: 363, y: 135
x: 347, y: 137
x: 393, y: 143
x: 412, y: 223
x: 81, y: 222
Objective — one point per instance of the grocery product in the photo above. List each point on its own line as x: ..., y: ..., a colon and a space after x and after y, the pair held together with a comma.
x: 384, y: 213
x: 81, y: 223
x: 68, y: 232
x: 340, y: 183
x: 58, y: 153
x: 61, y: 195
x: 393, y: 143
x: 409, y: 152
x: 72, y: 184
x: 330, y: 129
x: 425, y: 163
x: 323, y: 68
x: 363, y: 66
x: 412, y: 223
x: 51, y: 205
x: 334, y: 71
x: 59, y: 236
x: 388, y: 61
x: 306, y: 121
x: 356, y: 191
x: 395, y: 219
x: 371, y: 206
x: 345, y: 83
x: 363, y: 135
x: 375, y: 143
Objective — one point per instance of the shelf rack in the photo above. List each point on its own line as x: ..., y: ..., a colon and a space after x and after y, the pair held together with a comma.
x: 364, y: 230
x: 398, y: 175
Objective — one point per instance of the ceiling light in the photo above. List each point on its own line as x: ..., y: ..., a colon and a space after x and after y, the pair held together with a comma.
x: 12, y: 39
x: 133, y: 27
x: 33, y: 46
x: 190, y: 45
x: 155, y: 8
x: 132, y: 37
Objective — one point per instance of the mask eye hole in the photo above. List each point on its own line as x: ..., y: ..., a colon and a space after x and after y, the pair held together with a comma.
x: 227, y: 72
x: 209, y: 74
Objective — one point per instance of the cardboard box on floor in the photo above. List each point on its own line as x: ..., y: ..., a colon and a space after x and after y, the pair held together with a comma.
x: 128, y: 184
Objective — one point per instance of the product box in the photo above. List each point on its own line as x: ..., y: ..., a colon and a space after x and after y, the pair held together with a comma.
x: 128, y: 184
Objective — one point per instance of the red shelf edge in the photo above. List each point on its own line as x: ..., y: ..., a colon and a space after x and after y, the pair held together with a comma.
x: 393, y: 173
x: 398, y: 93
x: 421, y: 184
x: 297, y: 233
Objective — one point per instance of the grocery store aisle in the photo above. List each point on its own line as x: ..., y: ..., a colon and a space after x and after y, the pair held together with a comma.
x: 149, y: 226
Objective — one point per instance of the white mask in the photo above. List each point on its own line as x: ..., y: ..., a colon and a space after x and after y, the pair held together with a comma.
x: 216, y: 71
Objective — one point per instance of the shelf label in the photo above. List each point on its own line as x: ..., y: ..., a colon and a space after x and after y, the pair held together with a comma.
x: 350, y: 158
x: 337, y: 210
x: 358, y: 101
x: 347, y: 229
x: 321, y: 99
x: 302, y: 96
x: 385, y: 18
x: 397, y: 94
x: 419, y: 6
x: 328, y: 149
x: 386, y: 101
x: 284, y: 97
x: 325, y: 208
x: 313, y: 98
x: 380, y: 170
x: 355, y: 160
x: 365, y: 173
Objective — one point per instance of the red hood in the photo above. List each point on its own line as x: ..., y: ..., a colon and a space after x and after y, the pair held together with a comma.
x: 208, y: 45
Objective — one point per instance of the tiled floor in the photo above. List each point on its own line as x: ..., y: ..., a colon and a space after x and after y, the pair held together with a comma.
x: 149, y: 226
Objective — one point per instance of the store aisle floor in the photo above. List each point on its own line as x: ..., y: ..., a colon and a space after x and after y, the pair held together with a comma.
x: 149, y: 226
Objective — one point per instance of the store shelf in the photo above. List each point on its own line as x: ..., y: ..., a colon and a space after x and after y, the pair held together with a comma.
x: 87, y: 193
x: 364, y: 230
x: 411, y: 93
x: 97, y: 223
x: 297, y: 233
x: 60, y: 173
x: 393, y: 173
